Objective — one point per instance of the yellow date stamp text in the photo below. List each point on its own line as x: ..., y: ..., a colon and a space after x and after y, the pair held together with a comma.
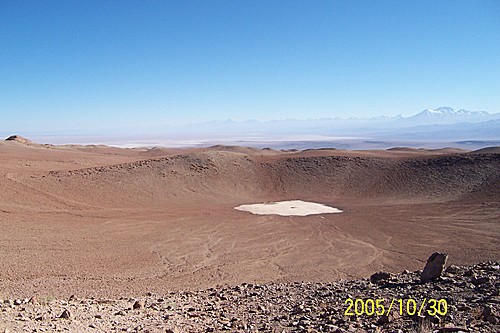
x: 381, y: 306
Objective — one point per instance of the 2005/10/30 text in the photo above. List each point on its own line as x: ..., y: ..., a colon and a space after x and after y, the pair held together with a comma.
x: 410, y: 307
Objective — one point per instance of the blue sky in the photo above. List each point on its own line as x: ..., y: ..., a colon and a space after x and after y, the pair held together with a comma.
x: 98, y: 64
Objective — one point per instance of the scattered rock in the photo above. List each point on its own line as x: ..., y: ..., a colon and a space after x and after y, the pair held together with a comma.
x: 66, y: 314
x: 469, y: 272
x: 139, y: 305
x: 279, y: 307
x: 487, y: 312
x: 492, y: 319
x: 379, y: 277
x: 434, y: 267
x: 480, y: 280
x: 384, y: 319
x: 452, y: 269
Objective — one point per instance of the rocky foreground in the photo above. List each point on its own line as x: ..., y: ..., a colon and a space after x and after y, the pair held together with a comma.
x: 471, y: 294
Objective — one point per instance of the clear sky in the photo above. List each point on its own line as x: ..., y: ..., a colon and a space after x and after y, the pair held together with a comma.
x: 97, y: 64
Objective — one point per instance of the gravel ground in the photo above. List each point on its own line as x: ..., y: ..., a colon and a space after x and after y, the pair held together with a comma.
x: 471, y: 294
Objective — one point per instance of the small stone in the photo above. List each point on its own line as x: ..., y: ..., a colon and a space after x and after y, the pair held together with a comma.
x: 120, y: 313
x: 452, y: 269
x: 66, y: 314
x: 481, y: 280
x: 469, y: 272
x: 139, y: 305
x: 33, y: 300
x: 434, y: 267
x: 379, y: 277
x: 384, y: 319
x: 18, y: 302
x: 487, y: 311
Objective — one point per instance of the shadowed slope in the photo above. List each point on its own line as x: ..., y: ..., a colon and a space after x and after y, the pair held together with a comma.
x: 223, y: 175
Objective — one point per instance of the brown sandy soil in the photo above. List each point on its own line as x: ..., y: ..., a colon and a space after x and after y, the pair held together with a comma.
x: 100, y: 221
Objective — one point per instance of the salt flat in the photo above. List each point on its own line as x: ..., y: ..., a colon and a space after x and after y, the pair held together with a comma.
x: 288, y: 208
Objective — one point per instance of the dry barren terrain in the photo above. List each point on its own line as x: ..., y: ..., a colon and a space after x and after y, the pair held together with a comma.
x: 101, y: 221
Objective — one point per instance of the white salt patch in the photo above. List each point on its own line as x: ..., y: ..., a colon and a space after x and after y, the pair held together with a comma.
x: 288, y: 208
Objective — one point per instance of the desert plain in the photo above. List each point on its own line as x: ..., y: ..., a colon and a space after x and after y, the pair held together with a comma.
x: 98, y: 221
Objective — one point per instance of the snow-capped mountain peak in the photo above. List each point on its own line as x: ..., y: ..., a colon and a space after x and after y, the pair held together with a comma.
x: 446, y: 114
x: 442, y: 110
x: 446, y: 110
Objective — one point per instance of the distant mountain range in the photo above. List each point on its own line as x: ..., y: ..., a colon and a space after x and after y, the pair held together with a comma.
x: 430, y: 127
x: 444, y: 124
x: 428, y: 117
x: 439, y: 116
